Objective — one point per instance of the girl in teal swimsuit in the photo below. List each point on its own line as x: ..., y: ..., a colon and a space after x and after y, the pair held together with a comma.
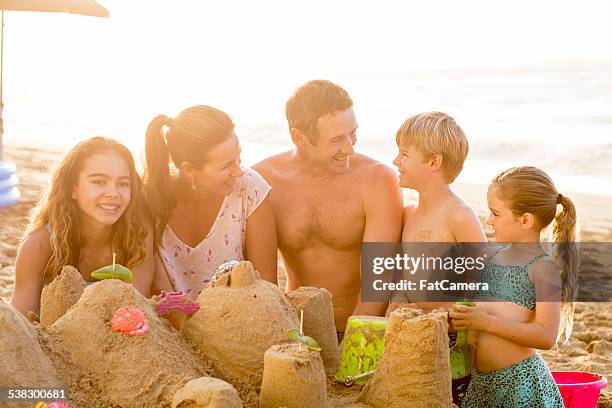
x: 532, y: 293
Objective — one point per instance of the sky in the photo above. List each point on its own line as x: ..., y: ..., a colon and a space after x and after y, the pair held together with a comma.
x: 67, y: 73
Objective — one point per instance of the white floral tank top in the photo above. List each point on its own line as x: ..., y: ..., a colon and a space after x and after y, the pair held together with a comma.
x: 189, y: 269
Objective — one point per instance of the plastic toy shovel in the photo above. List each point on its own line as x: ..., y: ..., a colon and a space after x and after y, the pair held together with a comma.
x: 169, y: 301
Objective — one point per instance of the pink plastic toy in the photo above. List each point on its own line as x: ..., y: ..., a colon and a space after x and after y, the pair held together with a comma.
x: 57, y: 404
x: 130, y: 320
x: 579, y: 389
x: 169, y: 301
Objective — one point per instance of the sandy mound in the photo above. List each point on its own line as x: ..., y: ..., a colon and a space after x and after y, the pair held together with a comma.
x: 318, y: 322
x: 22, y: 363
x: 414, y: 369
x: 240, y: 317
x: 59, y: 296
x: 293, y: 378
x: 207, y: 392
x: 109, y: 369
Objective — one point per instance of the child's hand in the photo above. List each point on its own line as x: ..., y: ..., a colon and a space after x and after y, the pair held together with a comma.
x: 469, y: 317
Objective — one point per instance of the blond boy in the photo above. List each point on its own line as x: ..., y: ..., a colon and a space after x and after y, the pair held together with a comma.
x: 432, y: 150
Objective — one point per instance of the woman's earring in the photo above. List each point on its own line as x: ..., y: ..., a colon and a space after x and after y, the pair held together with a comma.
x: 193, y: 185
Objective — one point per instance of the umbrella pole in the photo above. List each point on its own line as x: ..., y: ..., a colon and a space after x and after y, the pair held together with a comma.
x: 1, y: 81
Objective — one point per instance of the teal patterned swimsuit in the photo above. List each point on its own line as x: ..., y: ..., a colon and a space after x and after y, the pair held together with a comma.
x: 527, y: 383
x: 510, y: 283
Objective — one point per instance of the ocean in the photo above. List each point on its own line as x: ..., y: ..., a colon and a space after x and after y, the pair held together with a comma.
x: 557, y: 117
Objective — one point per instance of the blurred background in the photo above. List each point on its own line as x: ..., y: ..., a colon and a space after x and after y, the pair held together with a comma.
x: 529, y: 82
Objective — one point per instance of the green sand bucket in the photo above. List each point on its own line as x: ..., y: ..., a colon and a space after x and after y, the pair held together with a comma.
x: 363, y: 345
x: 460, y: 352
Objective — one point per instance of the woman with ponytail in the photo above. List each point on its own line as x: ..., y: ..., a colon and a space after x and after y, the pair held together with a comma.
x: 532, y: 293
x: 207, y: 209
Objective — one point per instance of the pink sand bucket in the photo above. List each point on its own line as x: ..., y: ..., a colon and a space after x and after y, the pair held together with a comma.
x: 579, y: 389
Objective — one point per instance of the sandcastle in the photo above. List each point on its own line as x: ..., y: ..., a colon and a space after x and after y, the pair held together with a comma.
x: 318, y: 322
x: 207, y: 392
x: 23, y: 364
x: 240, y: 317
x: 293, y: 377
x: 414, y: 369
x: 104, y: 368
x: 59, y: 296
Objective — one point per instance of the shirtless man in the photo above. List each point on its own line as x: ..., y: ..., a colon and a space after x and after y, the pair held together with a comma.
x: 327, y: 199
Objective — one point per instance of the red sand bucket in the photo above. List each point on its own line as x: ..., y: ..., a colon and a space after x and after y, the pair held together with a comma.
x: 579, y: 389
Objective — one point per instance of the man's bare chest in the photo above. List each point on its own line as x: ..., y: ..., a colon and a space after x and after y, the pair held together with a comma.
x: 308, y: 216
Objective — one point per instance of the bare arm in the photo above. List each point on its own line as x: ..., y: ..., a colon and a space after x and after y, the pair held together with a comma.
x: 261, y: 244
x: 465, y: 226
x: 145, y: 271
x: 383, y: 207
x: 32, y: 258
x: 541, y: 333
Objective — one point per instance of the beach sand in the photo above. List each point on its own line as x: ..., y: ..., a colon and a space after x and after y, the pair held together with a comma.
x: 589, y: 348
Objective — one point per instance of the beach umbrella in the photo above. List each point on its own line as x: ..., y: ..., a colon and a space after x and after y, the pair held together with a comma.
x: 9, y: 194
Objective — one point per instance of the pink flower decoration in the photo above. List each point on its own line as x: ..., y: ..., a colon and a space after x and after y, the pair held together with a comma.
x: 58, y: 404
x: 130, y: 321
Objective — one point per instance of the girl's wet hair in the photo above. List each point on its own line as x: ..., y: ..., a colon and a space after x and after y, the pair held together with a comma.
x: 530, y: 190
x: 60, y: 211
x: 188, y: 138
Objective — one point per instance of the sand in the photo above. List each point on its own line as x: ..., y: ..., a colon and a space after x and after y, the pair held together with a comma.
x: 207, y: 392
x: 589, y: 346
x: 60, y: 295
x: 294, y: 377
x: 318, y: 322
x: 414, y: 370
x: 240, y: 317
x: 107, y: 369
x: 23, y: 364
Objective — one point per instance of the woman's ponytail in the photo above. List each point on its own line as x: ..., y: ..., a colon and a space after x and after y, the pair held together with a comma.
x: 158, y: 189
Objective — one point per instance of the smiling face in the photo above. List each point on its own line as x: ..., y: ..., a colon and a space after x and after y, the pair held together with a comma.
x: 221, y: 169
x: 336, y: 136
x: 507, y: 226
x: 412, y: 166
x: 103, y: 191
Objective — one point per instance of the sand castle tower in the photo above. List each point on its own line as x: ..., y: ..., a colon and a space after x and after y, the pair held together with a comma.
x: 240, y: 317
x: 102, y: 367
x: 414, y: 370
x: 294, y: 377
x: 207, y: 392
x: 318, y: 322
x: 60, y: 295
x: 22, y: 361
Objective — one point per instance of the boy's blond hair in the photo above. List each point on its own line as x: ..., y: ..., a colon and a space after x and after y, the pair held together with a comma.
x: 436, y: 133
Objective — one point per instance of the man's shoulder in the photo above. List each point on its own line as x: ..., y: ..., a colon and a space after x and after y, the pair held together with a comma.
x: 270, y: 166
x: 368, y: 167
